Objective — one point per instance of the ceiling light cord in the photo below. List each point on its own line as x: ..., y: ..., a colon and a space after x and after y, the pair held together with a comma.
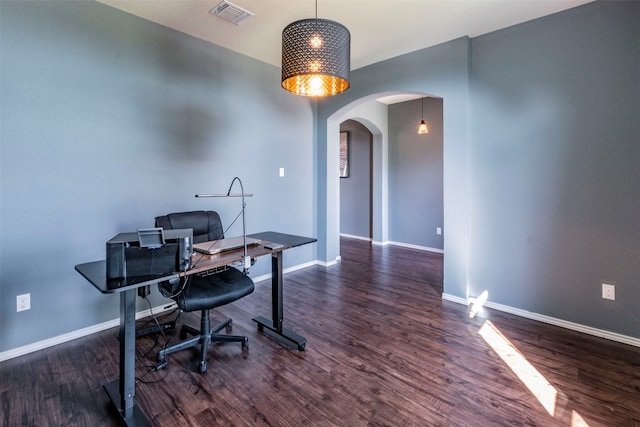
x: 422, y: 127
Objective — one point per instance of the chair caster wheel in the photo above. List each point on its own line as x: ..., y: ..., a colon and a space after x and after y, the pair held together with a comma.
x: 245, y: 343
x: 301, y: 347
x: 203, y: 367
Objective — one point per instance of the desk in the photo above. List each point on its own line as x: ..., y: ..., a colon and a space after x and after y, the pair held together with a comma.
x: 122, y: 391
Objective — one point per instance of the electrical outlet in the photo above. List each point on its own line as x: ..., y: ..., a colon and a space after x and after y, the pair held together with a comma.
x: 438, y: 231
x: 281, y: 171
x: 608, y: 291
x: 23, y: 302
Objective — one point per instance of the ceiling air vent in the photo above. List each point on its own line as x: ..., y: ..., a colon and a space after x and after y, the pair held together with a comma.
x: 231, y: 12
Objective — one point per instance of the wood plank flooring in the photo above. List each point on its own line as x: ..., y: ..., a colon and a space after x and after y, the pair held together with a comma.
x: 383, y: 350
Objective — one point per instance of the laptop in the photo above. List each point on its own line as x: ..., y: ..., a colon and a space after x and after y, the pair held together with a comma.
x: 223, y: 245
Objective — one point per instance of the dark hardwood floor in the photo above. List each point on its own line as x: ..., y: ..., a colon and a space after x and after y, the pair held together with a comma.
x: 383, y: 350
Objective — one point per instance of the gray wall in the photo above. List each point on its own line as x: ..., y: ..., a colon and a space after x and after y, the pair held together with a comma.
x: 556, y: 166
x: 416, y: 174
x: 541, y: 161
x: 355, y: 190
x: 108, y: 120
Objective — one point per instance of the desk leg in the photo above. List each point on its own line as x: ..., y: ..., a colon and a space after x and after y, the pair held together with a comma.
x: 275, y: 325
x: 276, y: 291
x: 122, y: 391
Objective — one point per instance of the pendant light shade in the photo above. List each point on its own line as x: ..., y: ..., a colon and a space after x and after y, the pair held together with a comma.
x: 316, y: 57
x: 422, y: 127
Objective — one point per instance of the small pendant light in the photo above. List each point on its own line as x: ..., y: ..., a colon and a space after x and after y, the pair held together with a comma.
x: 422, y: 127
x: 316, y: 57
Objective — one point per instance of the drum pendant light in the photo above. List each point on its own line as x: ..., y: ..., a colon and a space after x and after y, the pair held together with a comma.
x: 316, y: 57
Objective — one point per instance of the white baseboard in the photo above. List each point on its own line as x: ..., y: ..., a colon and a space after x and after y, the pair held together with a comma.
x: 70, y: 336
x: 287, y: 270
x: 351, y: 236
x: 60, y: 339
x: 421, y: 248
x: 391, y: 242
x: 453, y: 298
x: 329, y: 263
x: 613, y: 336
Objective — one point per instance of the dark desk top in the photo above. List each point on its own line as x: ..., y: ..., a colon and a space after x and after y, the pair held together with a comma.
x: 96, y: 272
x: 288, y: 240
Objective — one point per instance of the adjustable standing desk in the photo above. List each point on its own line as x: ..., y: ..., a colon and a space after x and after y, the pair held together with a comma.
x: 122, y: 390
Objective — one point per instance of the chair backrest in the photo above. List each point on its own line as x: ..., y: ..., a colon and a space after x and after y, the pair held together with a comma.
x: 206, y: 225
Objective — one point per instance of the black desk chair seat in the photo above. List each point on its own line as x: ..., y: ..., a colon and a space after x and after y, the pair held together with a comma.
x: 204, y: 292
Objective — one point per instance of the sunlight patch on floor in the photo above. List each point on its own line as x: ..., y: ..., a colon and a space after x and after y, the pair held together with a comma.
x: 577, y: 421
x: 530, y: 377
x: 476, y: 304
x: 537, y: 384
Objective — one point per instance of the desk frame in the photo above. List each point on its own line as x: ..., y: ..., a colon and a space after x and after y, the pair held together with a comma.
x: 122, y: 391
x: 275, y: 325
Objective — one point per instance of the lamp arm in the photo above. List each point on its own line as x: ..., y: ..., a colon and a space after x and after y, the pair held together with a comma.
x: 247, y: 260
x: 244, y: 224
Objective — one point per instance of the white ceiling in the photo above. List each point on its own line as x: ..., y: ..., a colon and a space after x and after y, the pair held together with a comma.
x: 380, y: 29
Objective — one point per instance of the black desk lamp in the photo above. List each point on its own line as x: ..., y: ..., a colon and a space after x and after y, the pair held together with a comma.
x: 246, y: 257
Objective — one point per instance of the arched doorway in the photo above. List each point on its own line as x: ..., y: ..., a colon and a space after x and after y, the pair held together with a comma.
x: 356, y: 186
x: 374, y: 115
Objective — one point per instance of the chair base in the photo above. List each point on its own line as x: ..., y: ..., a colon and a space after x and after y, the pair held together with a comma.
x: 203, y: 337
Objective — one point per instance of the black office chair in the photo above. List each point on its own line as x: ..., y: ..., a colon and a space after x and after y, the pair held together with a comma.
x: 203, y: 291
